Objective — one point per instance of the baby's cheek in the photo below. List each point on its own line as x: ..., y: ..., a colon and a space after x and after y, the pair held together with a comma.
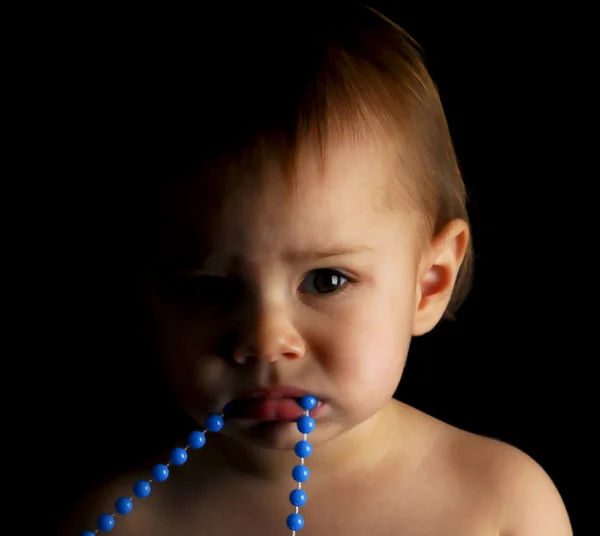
x: 199, y: 382
x: 185, y: 337
x: 186, y: 351
x: 365, y: 352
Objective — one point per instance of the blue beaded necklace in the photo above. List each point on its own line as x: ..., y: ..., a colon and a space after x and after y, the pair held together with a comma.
x: 196, y: 440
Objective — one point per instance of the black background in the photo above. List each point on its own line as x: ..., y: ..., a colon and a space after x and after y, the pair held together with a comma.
x: 505, y: 369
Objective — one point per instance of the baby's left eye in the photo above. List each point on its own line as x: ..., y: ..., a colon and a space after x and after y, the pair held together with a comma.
x: 322, y: 281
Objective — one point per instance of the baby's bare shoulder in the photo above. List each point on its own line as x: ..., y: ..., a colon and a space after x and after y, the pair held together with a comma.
x: 523, y: 498
x: 101, y: 500
x: 530, y: 503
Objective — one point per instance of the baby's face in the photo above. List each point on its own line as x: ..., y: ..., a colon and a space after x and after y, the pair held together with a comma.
x: 315, y: 290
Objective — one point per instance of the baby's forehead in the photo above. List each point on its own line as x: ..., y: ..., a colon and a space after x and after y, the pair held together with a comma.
x: 349, y: 175
x: 262, y: 213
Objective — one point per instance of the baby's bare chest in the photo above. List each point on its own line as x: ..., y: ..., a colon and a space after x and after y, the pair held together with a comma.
x: 383, y: 523
x: 347, y: 512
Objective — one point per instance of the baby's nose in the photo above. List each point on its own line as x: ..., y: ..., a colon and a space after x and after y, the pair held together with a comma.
x: 270, y: 337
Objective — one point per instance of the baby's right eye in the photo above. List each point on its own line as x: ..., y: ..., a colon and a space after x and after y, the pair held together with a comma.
x: 204, y: 290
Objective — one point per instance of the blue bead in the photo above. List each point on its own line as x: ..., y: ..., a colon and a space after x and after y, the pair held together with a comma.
x: 88, y: 533
x: 305, y: 424
x: 123, y: 505
x: 295, y: 522
x: 160, y: 472
x: 303, y: 449
x: 307, y: 402
x: 298, y: 497
x: 300, y: 473
x: 141, y: 489
x: 214, y: 423
x: 196, y: 440
x: 178, y: 456
x: 106, y: 522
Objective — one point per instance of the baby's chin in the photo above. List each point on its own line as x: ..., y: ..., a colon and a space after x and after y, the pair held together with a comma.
x: 272, y: 435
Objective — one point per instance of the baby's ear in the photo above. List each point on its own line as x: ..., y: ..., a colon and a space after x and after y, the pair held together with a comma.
x: 437, y: 274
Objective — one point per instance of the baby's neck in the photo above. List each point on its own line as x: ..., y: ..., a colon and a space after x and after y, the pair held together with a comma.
x: 357, y: 451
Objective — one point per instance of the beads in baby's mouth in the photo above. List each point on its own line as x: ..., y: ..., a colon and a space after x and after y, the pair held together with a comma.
x: 196, y: 440
x: 300, y: 472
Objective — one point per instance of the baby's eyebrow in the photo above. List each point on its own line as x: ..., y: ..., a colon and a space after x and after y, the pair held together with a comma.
x: 199, y: 260
x: 336, y: 251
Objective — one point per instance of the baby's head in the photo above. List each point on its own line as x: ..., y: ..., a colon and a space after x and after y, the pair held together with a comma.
x: 314, y: 219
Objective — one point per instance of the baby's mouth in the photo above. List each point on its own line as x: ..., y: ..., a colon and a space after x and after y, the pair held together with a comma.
x: 285, y: 409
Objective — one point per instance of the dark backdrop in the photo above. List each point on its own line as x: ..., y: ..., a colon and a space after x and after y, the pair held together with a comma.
x: 504, y: 369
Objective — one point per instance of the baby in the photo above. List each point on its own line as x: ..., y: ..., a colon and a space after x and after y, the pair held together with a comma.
x: 304, y: 219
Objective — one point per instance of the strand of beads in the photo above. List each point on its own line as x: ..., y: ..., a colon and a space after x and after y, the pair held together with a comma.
x: 160, y: 472
x: 300, y: 472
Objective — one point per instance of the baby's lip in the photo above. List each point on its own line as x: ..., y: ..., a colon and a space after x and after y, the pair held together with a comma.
x: 284, y: 409
x: 248, y: 401
x: 272, y: 392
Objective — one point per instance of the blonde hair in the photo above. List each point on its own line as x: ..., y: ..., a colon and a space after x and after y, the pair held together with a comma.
x: 277, y: 76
